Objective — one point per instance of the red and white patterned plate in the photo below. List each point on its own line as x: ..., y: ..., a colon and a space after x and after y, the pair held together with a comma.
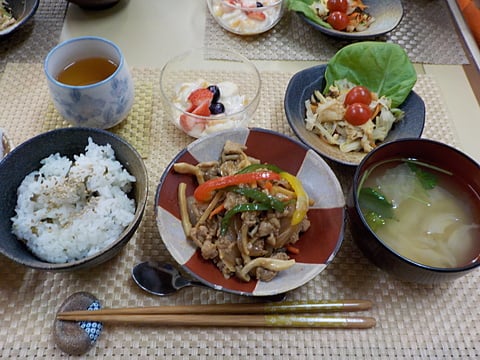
x: 318, y: 246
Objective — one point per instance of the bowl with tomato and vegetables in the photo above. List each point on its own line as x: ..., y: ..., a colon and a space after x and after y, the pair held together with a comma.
x: 346, y: 108
x: 206, y: 90
x: 249, y: 218
x: 350, y: 19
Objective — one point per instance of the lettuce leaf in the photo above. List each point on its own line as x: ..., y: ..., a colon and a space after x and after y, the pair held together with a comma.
x: 303, y: 6
x: 383, y: 68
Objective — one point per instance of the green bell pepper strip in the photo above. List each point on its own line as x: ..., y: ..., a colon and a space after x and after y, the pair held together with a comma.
x: 260, y: 197
x: 255, y: 167
x: 302, y: 203
x: 238, y: 209
x: 205, y: 191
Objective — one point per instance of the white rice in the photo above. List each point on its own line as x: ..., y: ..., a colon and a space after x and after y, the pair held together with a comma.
x: 70, y: 210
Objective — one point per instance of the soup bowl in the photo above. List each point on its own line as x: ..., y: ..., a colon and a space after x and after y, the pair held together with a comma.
x: 442, y: 167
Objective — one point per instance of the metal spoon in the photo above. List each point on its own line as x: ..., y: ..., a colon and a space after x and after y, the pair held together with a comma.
x: 160, y: 278
x: 163, y: 279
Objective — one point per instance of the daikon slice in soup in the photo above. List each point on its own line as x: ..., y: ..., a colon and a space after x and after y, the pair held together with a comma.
x: 422, y: 212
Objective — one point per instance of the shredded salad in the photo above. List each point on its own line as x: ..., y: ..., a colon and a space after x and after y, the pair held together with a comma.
x: 341, y: 15
x: 6, y: 17
x: 353, y: 125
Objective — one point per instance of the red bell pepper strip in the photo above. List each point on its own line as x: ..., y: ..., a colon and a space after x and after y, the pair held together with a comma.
x: 204, y: 192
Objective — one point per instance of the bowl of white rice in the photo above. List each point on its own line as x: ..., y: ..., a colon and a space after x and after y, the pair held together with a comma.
x: 72, y: 198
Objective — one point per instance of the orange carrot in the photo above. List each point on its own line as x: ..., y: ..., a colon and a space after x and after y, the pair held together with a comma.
x: 292, y: 249
x: 217, y: 210
x: 268, y: 186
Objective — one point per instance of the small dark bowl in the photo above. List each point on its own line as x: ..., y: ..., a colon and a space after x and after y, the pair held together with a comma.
x: 26, y: 157
x: 387, y: 14
x: 94, y: 4
x: 435, y: 153
x: 301, y: 87
x: 22, y: 10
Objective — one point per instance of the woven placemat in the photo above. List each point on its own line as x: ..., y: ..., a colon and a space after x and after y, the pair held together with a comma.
x: 426, y: 32
x: 30, y: 80
x: 414, y: 321
x: 32, y: 42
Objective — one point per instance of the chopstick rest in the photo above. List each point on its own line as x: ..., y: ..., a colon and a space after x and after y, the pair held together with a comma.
x: 76, y: 338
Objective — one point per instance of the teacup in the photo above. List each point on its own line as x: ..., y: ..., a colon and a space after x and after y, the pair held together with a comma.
x: 90, y: 82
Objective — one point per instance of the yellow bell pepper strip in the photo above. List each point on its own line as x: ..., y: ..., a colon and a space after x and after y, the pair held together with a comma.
x: 240, y: 208
x: 204, y: 192
x: 301, y: 206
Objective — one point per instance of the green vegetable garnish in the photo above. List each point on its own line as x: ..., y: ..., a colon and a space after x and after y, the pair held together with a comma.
x: 255, y: 167
x: 374, y: 220
x: 426, y: 179
x: 303, y: 6
x: 238, y: 209
x: 372, y: 200
x: 260, y: 197
x: 384, y: 68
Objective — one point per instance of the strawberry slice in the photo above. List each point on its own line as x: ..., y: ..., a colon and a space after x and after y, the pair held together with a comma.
x: 203, y: 109
x: 198, y: 96
x: 256, y: 15
x: 193, y: 125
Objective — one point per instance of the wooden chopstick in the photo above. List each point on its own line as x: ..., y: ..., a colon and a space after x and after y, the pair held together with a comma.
x: 244, y: 320
x: 247, y: 308
x: 284, y: 314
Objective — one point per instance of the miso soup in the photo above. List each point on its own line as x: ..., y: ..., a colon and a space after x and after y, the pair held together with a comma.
x: 422, y: 212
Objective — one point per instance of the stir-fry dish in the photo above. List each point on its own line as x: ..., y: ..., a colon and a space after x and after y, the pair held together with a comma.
x: 6, y: 17
x: 350, y: 116
x: 341, y: 15
x: 244, y: 216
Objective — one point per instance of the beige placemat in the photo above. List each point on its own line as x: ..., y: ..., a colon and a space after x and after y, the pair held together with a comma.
x: 31, y: 81
x: 426, y: 32
x: 432, y: 322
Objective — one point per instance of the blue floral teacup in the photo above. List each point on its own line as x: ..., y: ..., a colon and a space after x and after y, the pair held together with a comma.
x: 90, y: 82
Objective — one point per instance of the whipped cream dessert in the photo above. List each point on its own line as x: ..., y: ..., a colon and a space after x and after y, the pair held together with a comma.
x: 236, y: 16
x: 214, y: 107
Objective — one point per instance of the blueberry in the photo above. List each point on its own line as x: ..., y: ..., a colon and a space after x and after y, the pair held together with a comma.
x: 216, y: 92
x: 259, y: 4
x: 217, y: 108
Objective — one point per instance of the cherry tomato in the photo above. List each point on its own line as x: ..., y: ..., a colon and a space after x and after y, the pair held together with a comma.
x: 338, y: 20
x: 337, y: 5
x: 358, y: 114
x: 358, y: 94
